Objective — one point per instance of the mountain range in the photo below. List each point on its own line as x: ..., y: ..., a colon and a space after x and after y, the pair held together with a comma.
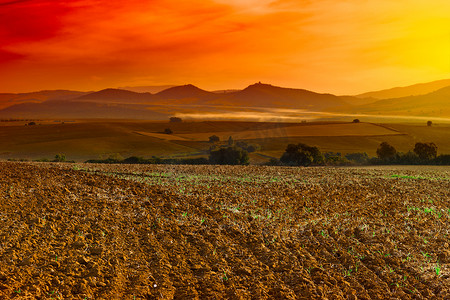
x: 427, y: 99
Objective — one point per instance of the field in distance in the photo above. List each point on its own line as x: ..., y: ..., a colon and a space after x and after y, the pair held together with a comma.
x: 82, y: 140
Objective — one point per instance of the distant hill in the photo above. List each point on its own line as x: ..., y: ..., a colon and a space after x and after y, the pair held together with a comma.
x: 412, y: 90
x: 267, y: 95
x: 8, y: 99
x: 80, y: 110
x: 117, y: 96
x: 188, y: 91
x: 146, y: 89
x: 435, y: 104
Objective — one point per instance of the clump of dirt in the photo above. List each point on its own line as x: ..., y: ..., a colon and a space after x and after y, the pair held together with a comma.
x: 200, y: 232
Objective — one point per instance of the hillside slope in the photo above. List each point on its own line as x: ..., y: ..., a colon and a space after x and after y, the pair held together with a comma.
x: 412, y: 90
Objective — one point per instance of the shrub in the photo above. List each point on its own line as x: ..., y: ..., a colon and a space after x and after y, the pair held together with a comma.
x: 274, y: 162
x: 134, y: 160
x: 443, y: 159
x: 168, y: 131
x: 59, y: 158
x: 229, y: 156
x: 409, y: 158
x: 429, y: 123
x: 336, y: 159
x: 301, y: 155
x: 359, y: 158
x: 175, y: 120
x: 214, y: 139
x: 356, y: 121
x: 248, y: 147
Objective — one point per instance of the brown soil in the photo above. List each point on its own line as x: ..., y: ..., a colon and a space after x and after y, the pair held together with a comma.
x: 204, y: 232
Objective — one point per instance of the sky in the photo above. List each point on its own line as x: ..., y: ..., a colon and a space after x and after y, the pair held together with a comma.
x: 341, y: 47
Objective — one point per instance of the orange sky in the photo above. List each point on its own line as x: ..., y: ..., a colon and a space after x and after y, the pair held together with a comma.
x: 343, y: 47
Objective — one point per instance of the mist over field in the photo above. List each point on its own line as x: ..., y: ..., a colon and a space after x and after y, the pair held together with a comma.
x: 257, y: 114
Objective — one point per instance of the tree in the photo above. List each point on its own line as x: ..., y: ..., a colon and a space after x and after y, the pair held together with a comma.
x: 229, y: 156
x: 429, y: 123
x: 230, y: 141
x: 214, y: 139
x: 301, y: 155
x: 168, y: 131
x: 175, y: 120
x: 356, y: 121
x: 425, y: 151
x: 385, y: 151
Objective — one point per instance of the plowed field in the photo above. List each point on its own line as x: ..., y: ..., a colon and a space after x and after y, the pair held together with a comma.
x: 208, y: 232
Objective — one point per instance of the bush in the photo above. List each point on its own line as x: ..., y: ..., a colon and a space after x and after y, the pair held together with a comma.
x: 229, y: 156
x: 426, y: 151
x: 356, y: 121
x: 109, y: 160
x: 429, y: 123
x: 59, y: 158
x: 214, y: 139
x: 274, y: 162
x: 301, y: 155
x: 168, y: 131
x: 386, y: 151
x: 175, y: 120
x: 248, y: 147
x: 134, y: 160
x: 443, y: 159
x: 359, y: 158
x: 409, y: 158
x: 335, y: 159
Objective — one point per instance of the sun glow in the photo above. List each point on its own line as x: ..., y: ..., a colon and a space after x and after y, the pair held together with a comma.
x: 324, y: 45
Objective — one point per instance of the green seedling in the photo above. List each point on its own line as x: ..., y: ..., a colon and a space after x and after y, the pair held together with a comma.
x: 437, y: 268
x: 428, y: 210
x: 348, y: 273
x: 225, y: 277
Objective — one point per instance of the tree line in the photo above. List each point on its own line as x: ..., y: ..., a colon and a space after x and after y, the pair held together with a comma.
x: 237, y: 153
x: 304, y: 155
